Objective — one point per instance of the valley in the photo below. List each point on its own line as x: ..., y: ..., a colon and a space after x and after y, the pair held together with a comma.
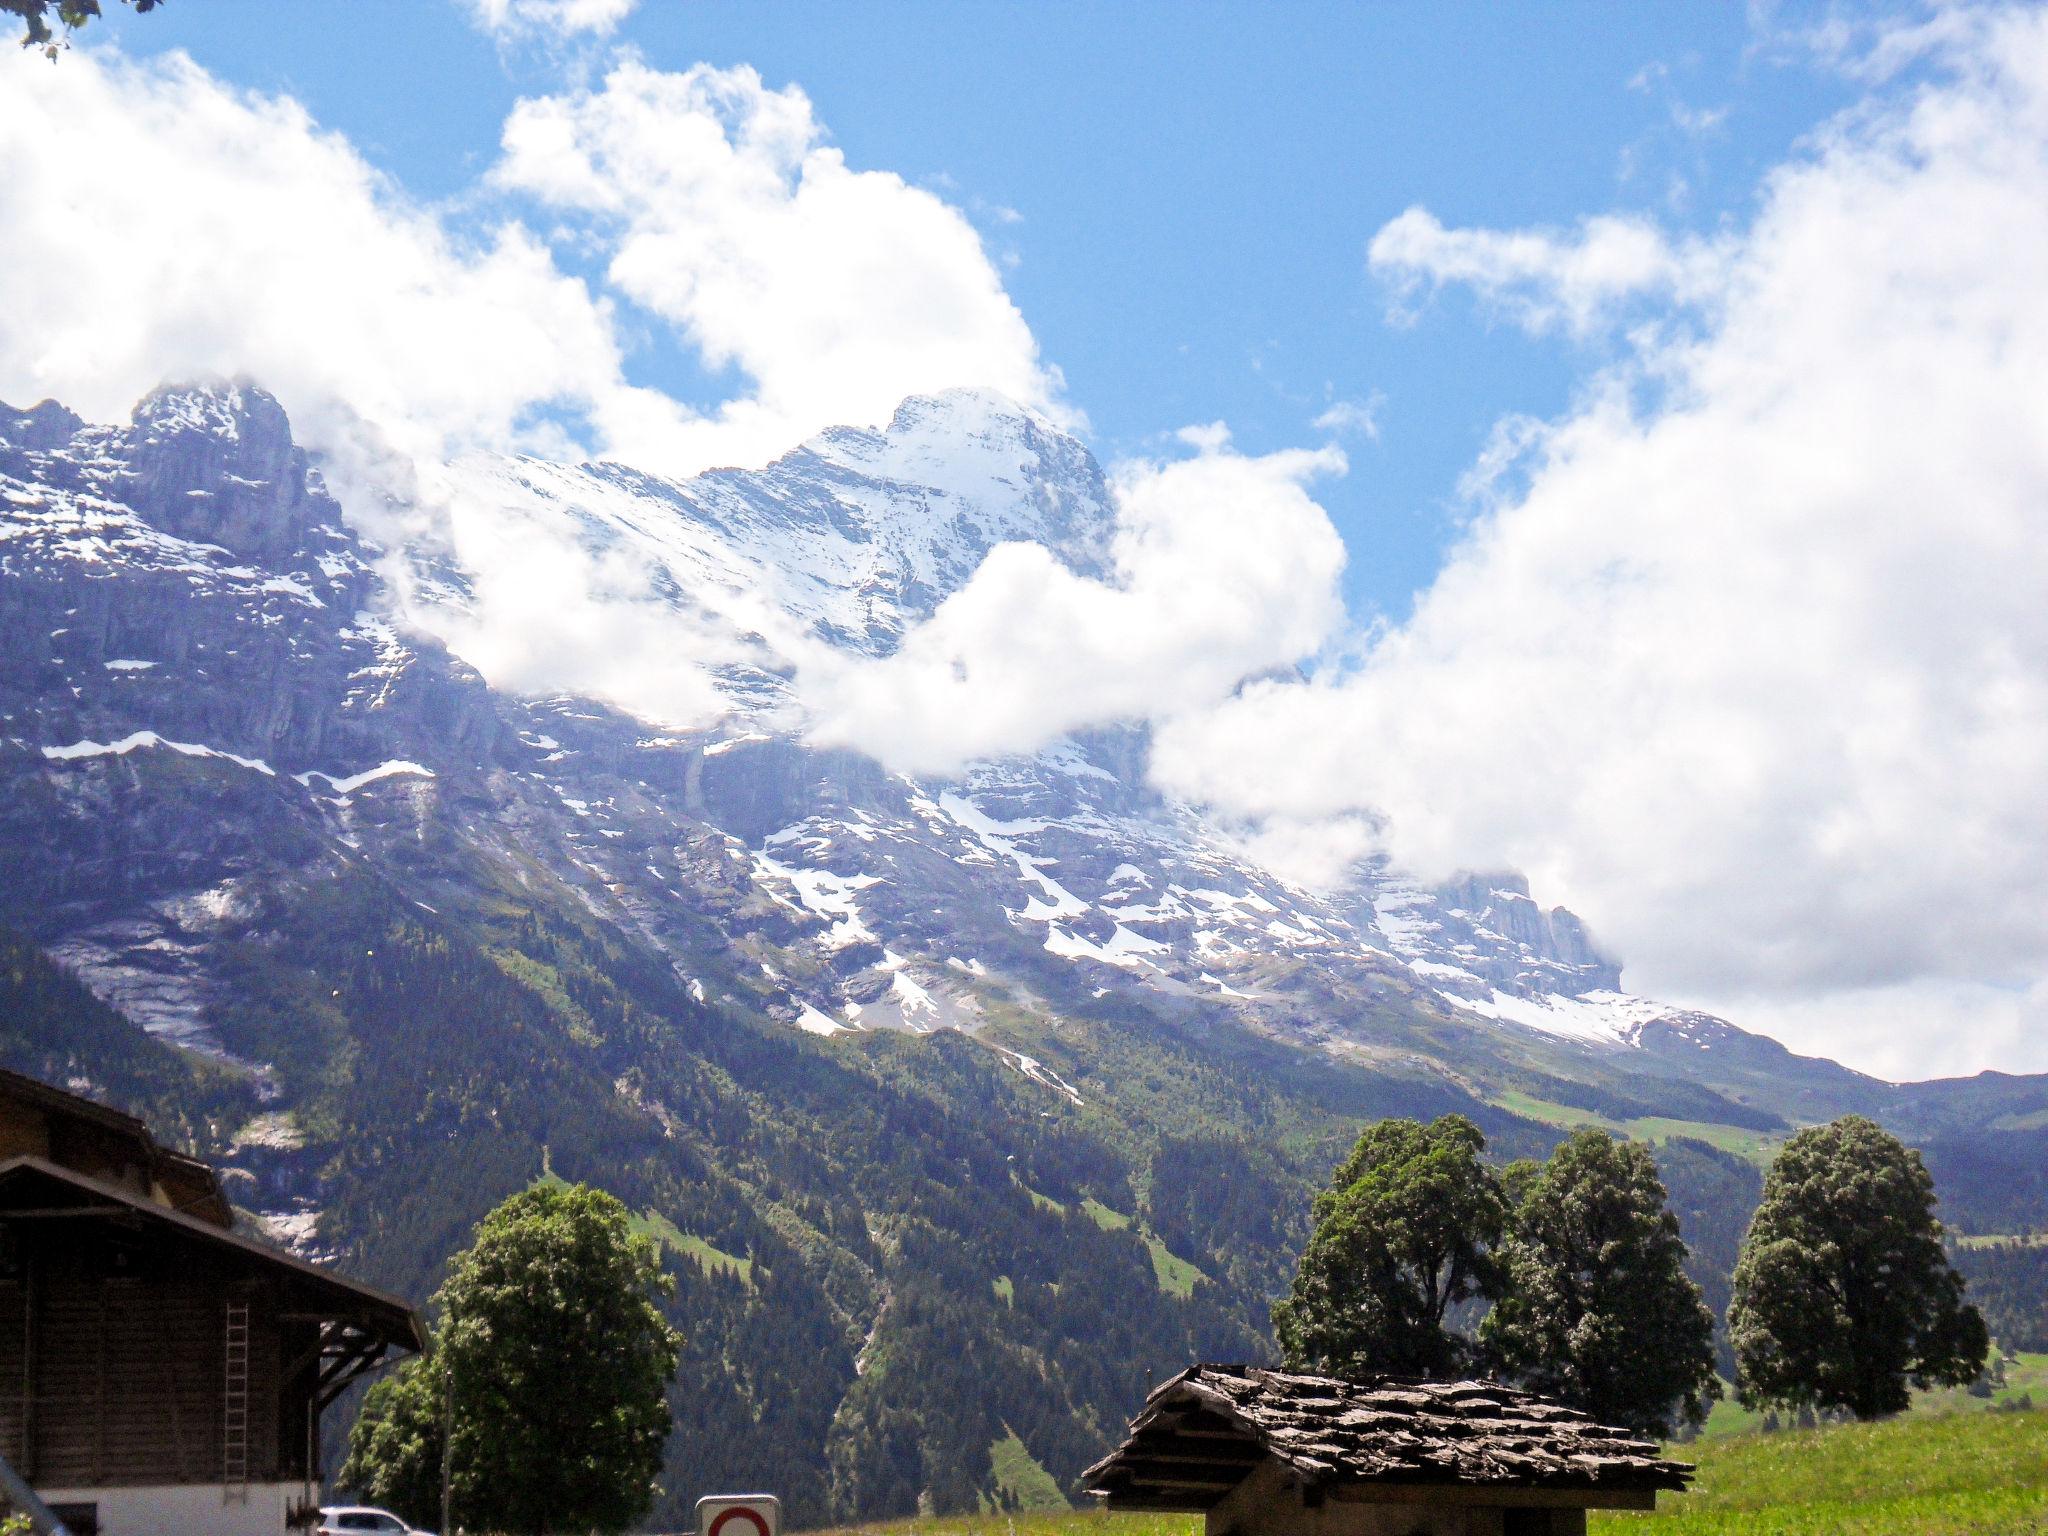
x: 962, y: 1107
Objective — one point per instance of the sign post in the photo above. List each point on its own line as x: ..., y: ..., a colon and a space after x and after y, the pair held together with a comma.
x: 739, y: 1514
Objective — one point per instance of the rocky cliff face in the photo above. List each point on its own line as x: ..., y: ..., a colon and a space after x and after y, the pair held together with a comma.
x: 184, y: 593
x: 1015, y: 1082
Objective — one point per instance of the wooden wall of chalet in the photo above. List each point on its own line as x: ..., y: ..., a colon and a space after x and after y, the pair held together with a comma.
x: 121, y: 1378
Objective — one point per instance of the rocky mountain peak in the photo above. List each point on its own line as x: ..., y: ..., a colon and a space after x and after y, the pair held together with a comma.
x: 41, y: 428
x: 214, y: 462
x: 231, y: 411
x: 971, y: 468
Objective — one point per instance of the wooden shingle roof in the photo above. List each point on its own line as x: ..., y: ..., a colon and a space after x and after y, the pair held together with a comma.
x: 1204, y: 1431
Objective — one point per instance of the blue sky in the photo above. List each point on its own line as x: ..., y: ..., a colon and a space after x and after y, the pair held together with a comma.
x: 1195, y: 184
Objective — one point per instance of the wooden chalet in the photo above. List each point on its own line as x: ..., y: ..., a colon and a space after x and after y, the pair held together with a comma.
x: 161, y: 1374
x: 1271, y: 1453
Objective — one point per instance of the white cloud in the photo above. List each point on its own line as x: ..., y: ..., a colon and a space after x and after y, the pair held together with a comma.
x: 1754, y: 676
x: 835, y: 292
x: 1933, y: 1027
x: 190, y: 229
x: 1352, y: 418
x: 1225, y: 567
x: 552, y: 18
x: 1542, y: 279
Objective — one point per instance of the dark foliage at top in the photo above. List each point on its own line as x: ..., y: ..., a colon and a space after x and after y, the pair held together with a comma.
x: 70, y: 14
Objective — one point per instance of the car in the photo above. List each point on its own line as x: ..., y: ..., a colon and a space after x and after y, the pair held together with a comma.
x: 348, y: 1519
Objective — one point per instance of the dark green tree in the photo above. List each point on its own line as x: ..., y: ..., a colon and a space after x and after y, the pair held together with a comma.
x: 555, y: 1361
x: 394, y: 1447
x: 1404, y: 1233
x: 1598, y: 1310
x: 71, y: 15
x: 1844, y: 1295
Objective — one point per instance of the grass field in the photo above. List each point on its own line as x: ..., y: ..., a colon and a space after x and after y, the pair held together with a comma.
x: 1984, y: 1474
x: 1957, y: 1474
x: 2027, y: 1376
x: 1758, y: 1147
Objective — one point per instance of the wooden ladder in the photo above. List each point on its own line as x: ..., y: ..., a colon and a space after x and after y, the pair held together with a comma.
x: 235, y: 1405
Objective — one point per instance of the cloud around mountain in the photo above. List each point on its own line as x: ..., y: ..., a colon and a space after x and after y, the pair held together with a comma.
x: 1224, y: 567
x: 1743, y: 656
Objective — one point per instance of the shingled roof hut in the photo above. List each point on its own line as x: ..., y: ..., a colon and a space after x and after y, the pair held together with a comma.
x: 1272, y: 1453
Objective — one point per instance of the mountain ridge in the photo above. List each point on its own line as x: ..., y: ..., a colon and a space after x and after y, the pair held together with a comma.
x: 893, y: 1040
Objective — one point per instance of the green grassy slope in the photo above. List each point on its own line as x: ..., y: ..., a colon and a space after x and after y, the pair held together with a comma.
x: 1937, y: 1475
x: 1981, y: 1474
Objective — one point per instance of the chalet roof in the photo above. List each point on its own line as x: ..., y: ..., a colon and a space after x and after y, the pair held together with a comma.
x: 33, y: 1188
x: 1201, y: 1433
x: 188, y: 1183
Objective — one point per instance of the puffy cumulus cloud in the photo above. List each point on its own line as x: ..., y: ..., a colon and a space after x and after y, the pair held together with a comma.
x: 1755, y: 674
x: 1540, y: 278
x: 1224, y: 566
x: 835, y: 292
x: 189, y: 228
x: 557, y: 18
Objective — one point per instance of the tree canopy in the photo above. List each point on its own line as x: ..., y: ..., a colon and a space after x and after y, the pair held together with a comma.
x: 71, y: 15
x: 1844, y: 1295
x: 1597, y: 1310
x: 1405, y: 1232
x: 554, y: 1361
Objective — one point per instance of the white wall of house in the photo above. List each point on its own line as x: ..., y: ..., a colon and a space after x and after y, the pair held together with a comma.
x: 199, y: 1509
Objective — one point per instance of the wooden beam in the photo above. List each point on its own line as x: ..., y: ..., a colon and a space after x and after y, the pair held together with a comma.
x: 335, y: 1379
x: 1145, y: 1471
x: 1494, y: 1496
x: 1182, y: 1458
x: 1118, y: 1502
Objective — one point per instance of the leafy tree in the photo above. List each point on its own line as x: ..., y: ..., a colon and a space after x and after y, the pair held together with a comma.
x: 1843, y: 1294
x: 71, y: 15
x: 556, y: 1362
x: 1404, y: 1233
x: 394, y: 1449
x: 1598, y: 1310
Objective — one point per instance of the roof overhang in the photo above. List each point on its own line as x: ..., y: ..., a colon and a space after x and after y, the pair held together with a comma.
x: 33, y: 1189
x: 1203, y: 1433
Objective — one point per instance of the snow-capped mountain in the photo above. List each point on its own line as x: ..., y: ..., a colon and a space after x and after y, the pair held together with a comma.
x: 184, y: 586
x: 1020, y: 1080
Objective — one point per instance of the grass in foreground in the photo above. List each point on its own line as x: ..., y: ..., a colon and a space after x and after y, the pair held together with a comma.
x: 1977, y: 1474
x: 2025, y: 1376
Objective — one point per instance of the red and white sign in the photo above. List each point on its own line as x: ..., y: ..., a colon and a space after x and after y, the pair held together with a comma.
x: 739, y: 1514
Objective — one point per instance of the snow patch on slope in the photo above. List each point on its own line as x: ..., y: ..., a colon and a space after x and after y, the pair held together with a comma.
x: 142, y: 740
